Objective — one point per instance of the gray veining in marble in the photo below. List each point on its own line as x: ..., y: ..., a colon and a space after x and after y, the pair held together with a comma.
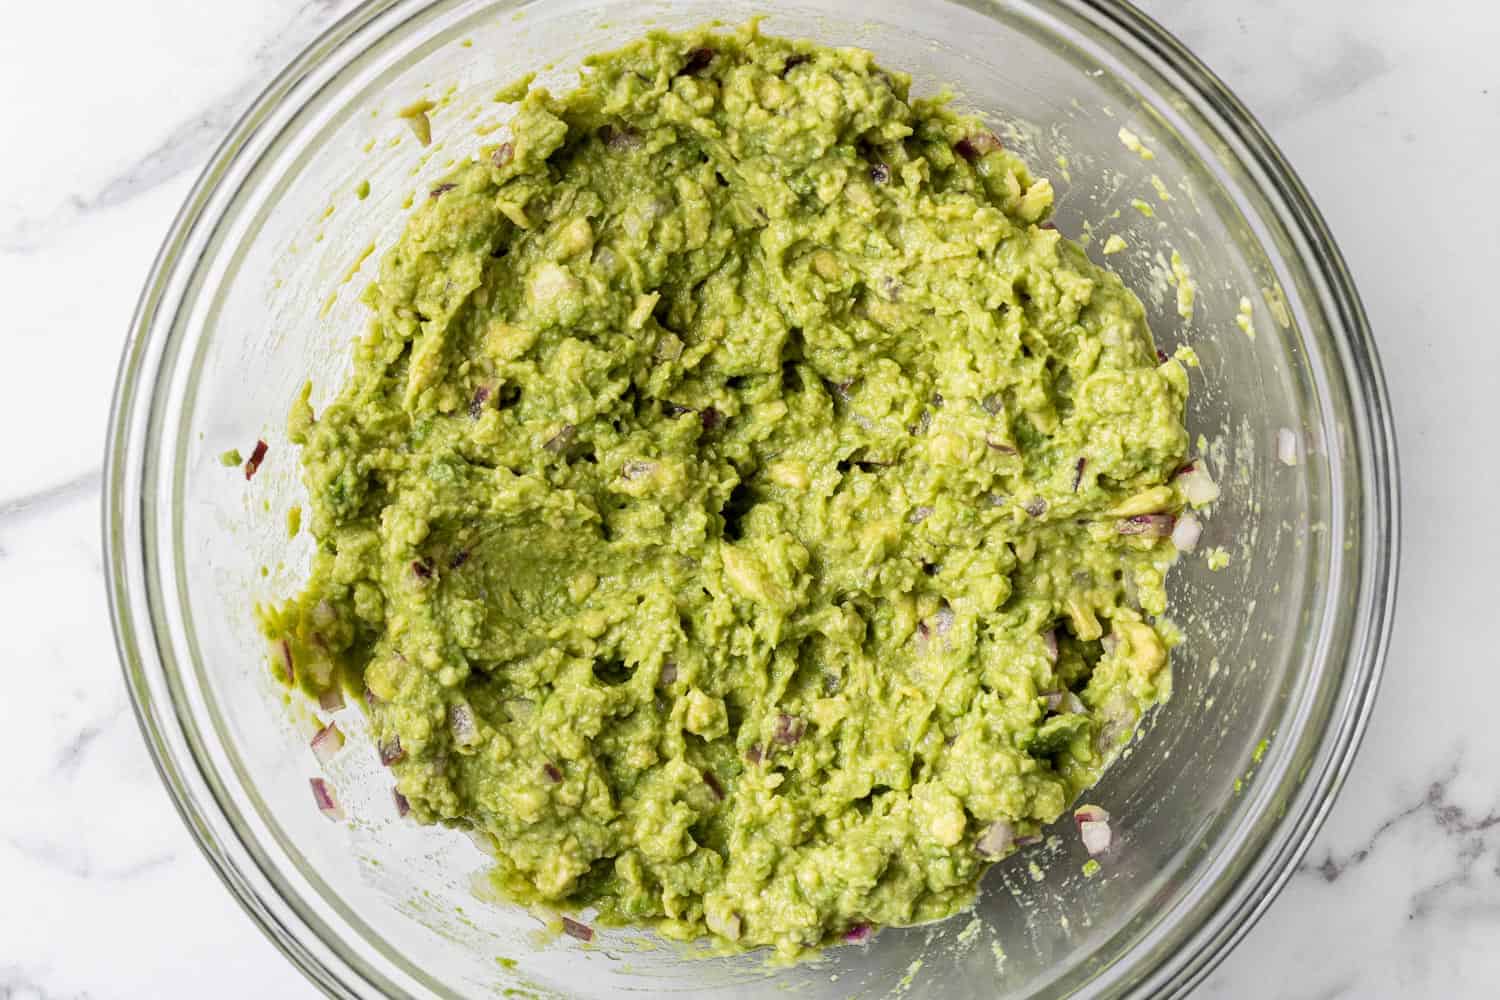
x: 187, y: 142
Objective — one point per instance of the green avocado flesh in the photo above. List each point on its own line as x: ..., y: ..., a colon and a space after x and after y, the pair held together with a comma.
x: 743, y: 510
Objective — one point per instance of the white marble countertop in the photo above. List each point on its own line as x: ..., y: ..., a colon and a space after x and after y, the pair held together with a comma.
x: 1389, y: 110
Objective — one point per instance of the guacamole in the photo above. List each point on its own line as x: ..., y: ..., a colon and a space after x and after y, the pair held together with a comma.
x: 745, y: 511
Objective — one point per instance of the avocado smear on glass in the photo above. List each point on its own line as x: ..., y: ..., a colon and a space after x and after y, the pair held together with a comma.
x: 744, y: 510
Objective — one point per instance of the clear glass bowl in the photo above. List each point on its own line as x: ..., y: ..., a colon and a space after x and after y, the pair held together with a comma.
x: 1215, y: 802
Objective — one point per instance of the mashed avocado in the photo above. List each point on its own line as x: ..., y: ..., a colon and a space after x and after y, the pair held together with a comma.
x: 744, y: 509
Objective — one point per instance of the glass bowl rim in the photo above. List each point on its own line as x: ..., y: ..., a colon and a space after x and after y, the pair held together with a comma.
x: 192, y: 787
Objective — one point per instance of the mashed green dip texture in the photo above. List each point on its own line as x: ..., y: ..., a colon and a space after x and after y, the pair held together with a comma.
x: 743, y: 509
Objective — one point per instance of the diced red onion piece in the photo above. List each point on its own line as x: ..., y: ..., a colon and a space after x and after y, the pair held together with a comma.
x: 858, y: 934
x: 402, y: 806
x: 1036, y: 506
x: 1078, y: 472
x: 286, y: 657
x: 755, y: 754
x: 709, y: 418
x: 422, y: 569
x: 972, y: 147
x: 252, y: 466
x: 327, y: 743
x: 391, y: 751
x: 1049, y: 642
x: 1147, y: 525
x: 942, y: 621
x: 698, y: 60
x: 323, y: 795
x: 789, y: 729
x: 1028, y: 840
x: 996, y: 840
x: 1286, y: 446
x: 553, y: 773
x: 1096, y: 835
x: 574, y: 929
x: 621, y: 139
x: 1197, y: 486
x: 560, y: 441
x: 1090, y: 814
x: 637, y: 470
x: 1187, y: 532
x: 481, y: 396
x: 331, y: 699
x: 712, y: 781
x: 996, y: 443
x: 503, y: 154
x: 461, y: 722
